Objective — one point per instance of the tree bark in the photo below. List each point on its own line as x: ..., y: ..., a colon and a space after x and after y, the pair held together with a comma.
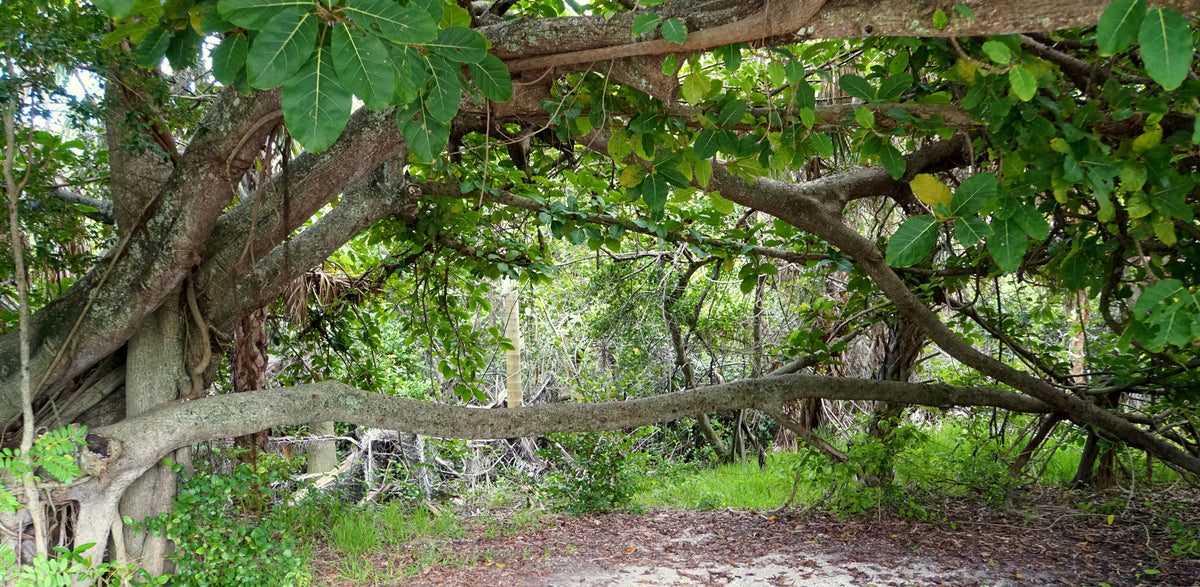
x: 250, y: 373
x: 154, y: 376
x: 322, y: 454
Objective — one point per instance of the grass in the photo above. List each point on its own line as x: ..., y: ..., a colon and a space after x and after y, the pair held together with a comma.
x: 737, y: 485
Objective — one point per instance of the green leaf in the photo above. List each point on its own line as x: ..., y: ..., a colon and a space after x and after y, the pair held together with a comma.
x: 1023, y: 83
x: 184, y: 50
x: 402, y: 24
x: 645, y: 22
x: 823, y: 145
x: 655, y: 190
x: 410, y: 74
x: 732, y: 113
x: 115, y: 9
x: 492, y: 78
x: 315, y: 104
x: 864, y: 116
x: 970, y: 229
x: 794, y: 70
x: 425, y: 135
x: 974, y: 193
x: 912, y: 241
x: 229, y: 57
x: 964, y: 11
x: 695, y: 87
x: 720, y: 204
x: 254, y: 14
x: 893, y: 161
x: 895, y: 84
x: 776, y: 73
x: 704, y: 169
x: 1032, y: 222
x: 445, y: 93
x: 1166, y: 44
x: 454, y: 16
x: 1155, y: 294
x: 282, y: 48
x: 459, y: 44
x: 706, y: 144
x: 211, y: 21
x: 998, y: 52
x: 153, y: 48
x: 940, y: 20
x: 674, y: 30
x: 857, y: 86
x: 363, y: 65
x: 1118, y: 26
x: 1007, y: 244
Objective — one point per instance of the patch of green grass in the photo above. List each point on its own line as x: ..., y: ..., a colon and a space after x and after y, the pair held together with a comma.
x: 737, y: 485
x: 356, y: 532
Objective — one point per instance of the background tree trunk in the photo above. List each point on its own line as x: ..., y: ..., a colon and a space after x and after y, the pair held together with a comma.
x: 250, y: 373
x: 322, y: 454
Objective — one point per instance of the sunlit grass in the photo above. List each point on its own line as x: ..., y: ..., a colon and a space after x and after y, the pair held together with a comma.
x: 736, y: 485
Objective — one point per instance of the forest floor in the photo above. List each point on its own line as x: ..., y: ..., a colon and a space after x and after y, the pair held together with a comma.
x: 1044, y: 540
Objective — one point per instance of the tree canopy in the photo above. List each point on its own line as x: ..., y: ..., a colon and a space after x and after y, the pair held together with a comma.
x: 926, y: 157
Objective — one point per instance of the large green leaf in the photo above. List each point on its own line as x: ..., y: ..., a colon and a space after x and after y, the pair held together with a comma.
x: 894, y: 85
x: 445, y: 92
x: 1024, y: 85
x: 425, y: 135
x: 460, y: 45
x: 970, y: 229
x: 655, y: 190
x: 1166, y: 46
x: 411, y: 74
x: 254, y: 14
x: 857, y: 86
x: 731, y: 113
x: 893, y: 160
x: 282, y: 48
x: 706, y: 144
x: 1152, y: 296
x: 153, y: 48
x: 115, y: 9
x: 315, y: 104
x: 402, y: 24
x: 912, y: 241
x: 675, y: 30
x: 492, y: 78
x: 363, y: 65
x: 1007, y: 244
x: 229, y: 57
x: 644, y: 23
x: 1118, y: 25
x: 974, y: 193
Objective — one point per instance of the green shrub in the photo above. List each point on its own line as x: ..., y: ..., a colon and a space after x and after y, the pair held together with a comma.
x: 222, y: 538
x: 602, y: 473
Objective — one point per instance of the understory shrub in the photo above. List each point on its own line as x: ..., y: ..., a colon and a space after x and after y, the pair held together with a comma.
x: 599, y: 472
x: 230, y: 530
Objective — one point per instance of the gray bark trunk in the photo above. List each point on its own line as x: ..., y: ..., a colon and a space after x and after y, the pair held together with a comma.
x: 322, y: 454
x: 154, y: 373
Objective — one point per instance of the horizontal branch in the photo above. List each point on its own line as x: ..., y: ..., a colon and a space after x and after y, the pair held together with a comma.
x: 567, y: 41
x: 147, y: 438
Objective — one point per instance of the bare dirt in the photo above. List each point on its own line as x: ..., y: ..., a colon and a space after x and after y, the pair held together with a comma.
x: 1044, y: 543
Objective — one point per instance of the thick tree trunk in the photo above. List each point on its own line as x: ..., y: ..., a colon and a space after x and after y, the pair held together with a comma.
x: 154, y: 375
